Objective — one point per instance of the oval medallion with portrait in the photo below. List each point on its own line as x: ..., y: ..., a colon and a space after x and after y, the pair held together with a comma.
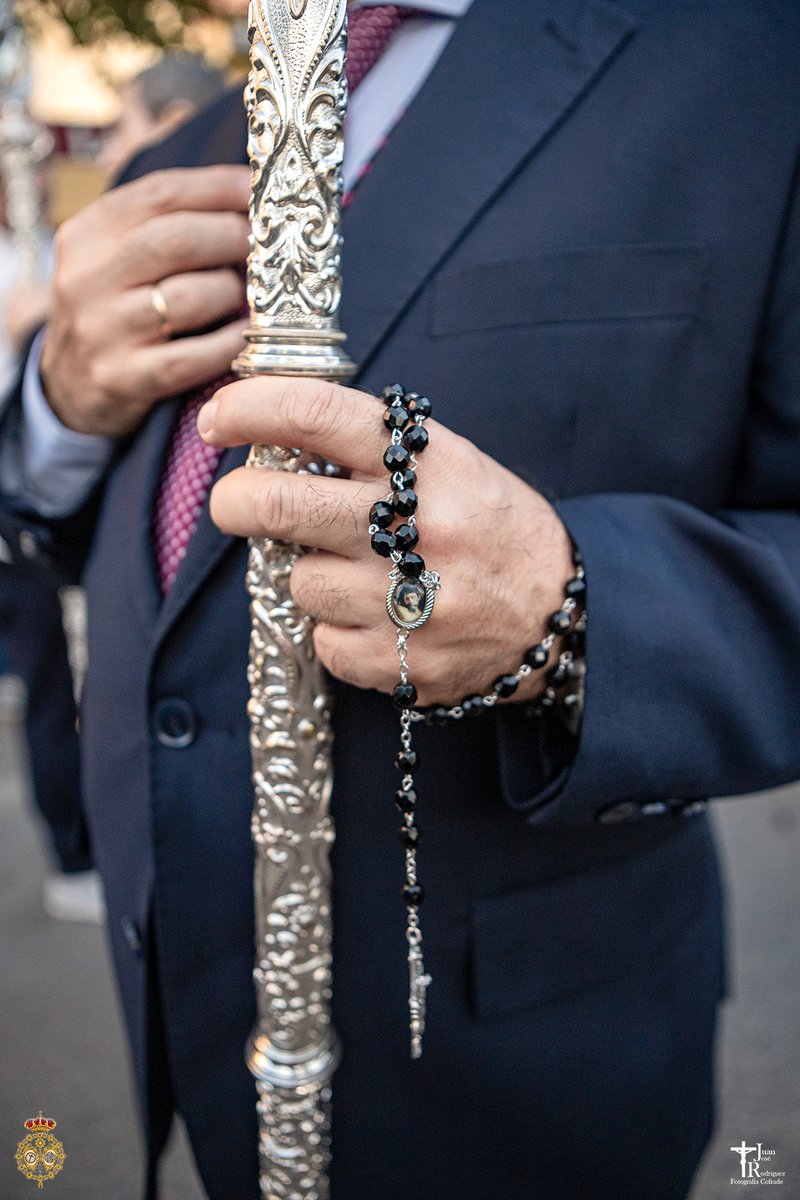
x: 409, y: 602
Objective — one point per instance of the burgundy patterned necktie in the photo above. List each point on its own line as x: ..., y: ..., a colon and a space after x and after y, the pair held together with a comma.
x: 191, y: 464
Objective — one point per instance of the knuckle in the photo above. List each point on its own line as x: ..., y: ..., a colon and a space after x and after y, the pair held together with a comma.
x: 318, y: 412
x: 103, y: 380
x: 181, y: 299
x: 305, y: 588
x: 338, y: 661
x: 67, y: 279
x: 174, y: 372
x: 343, y: 666
x: 83, y: 331
x: 176, y: 238
x: 273, y: 509
x: 160, y: 190
x: 63, y: 240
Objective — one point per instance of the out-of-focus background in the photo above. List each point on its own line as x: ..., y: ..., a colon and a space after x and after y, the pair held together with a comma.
x: 81, y: 54
x: 61, y: 1041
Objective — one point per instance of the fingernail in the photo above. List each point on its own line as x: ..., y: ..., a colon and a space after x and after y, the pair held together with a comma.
x: 205, y: 418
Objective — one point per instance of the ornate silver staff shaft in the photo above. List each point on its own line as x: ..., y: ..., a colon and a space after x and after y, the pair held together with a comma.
x: 296, y: 97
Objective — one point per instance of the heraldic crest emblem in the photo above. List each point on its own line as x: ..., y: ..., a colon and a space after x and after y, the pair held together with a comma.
x: 40, y: 1155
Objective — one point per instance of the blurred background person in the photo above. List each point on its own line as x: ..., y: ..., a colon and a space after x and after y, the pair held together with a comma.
x: 153, y: 104
x: 34, y: 643
x: 156, y: 102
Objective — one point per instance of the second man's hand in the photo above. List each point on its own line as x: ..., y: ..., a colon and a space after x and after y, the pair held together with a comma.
x: 108, y: 357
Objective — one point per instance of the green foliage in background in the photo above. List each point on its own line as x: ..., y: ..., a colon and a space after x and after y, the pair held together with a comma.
x: 160, y: 22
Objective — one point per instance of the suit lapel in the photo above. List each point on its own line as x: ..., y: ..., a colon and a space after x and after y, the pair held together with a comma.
x: 464, y: 134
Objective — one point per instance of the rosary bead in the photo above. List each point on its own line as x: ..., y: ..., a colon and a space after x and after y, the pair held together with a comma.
x: 473, y: 706
x: 418, y: 406
x: 393, y: 394
x: 405, y: 501
x: 404, y: 695
x: 395, y: 417
x: 546, y: 701
x: 406, y: 800
x: 413, y: 894
x: 505, y: 685
x: 409, y: 836
x: 396, y: 458
x: 440, y: 714
x: 416, y: 438
x: 576, y: 588
x: 383, y: 543
x: 558, y: 675
x: 536, y: 657
x: 411, y: 564
x: 576, y: 642
x: 407, y: 762
x: 409, y: 478
x: 406, y: 537
x: 381, y: 514
x: 560, y: 621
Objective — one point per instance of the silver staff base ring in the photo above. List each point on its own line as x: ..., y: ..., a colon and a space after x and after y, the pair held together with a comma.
x: 409, y: 602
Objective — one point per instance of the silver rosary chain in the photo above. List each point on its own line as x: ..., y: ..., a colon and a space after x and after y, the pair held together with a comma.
x: 565, y: 659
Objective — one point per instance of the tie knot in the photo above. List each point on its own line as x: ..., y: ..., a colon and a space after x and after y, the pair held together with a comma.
x: 369, y: 31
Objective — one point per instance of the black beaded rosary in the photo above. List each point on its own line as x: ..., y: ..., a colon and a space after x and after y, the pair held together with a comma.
x: 409, y: 603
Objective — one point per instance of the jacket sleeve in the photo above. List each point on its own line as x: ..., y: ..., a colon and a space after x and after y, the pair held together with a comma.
x: 53, y: 549
x: 693, y: 638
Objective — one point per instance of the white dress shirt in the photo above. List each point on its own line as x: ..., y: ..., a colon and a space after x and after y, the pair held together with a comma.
x: 50, y: 469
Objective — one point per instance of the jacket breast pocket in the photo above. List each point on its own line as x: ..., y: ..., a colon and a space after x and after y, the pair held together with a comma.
x: 556, y: 940
x: 579, y: 284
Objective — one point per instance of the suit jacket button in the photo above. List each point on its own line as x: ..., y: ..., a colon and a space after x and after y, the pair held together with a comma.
x: 626, y: 810
x: 28, y: 544
x: 175, y: 723
x: 132, y: 933
x: 657, y: 808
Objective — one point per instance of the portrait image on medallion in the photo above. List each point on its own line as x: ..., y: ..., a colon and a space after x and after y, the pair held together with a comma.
x: 409, y: 601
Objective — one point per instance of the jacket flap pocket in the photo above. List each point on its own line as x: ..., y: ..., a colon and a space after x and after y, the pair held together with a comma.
x: 558, y: 939
x: 586, y: 283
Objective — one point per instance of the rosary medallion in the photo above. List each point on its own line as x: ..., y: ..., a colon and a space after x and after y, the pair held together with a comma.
x: 409, y: 602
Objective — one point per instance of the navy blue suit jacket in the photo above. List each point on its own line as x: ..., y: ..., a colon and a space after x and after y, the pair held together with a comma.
x: 583, y: 242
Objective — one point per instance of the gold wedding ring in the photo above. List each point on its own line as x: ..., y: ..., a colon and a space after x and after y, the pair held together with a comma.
x: 159, y: 303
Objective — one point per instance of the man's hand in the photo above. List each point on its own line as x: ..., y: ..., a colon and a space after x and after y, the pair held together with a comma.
x: 107, y: 357
x: 501, y: 550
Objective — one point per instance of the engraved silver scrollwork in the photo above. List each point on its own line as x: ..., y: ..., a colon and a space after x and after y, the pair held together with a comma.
x: 295, y: 97
x: 293, y: 1052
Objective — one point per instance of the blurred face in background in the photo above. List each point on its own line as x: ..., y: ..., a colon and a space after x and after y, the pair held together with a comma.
x: 137, y: 128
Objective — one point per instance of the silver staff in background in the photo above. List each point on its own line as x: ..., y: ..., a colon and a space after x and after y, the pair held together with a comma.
x: 24, y: 145
x: 296, y: 97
